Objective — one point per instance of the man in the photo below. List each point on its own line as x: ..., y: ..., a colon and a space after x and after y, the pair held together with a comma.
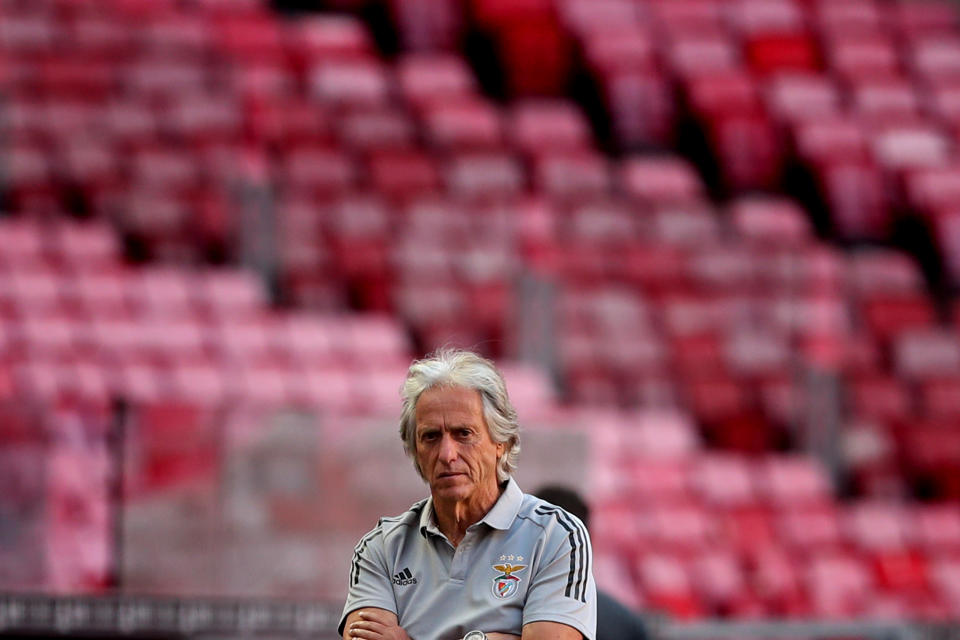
x: 478, y: 558
x: 615, y: 621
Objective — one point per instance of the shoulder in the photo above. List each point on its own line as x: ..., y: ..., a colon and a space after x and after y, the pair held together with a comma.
x: 550, y: 518
x: 395, y: 526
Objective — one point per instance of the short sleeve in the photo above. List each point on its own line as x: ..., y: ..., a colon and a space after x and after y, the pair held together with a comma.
x: 369, y: 582
x: 563, y: 588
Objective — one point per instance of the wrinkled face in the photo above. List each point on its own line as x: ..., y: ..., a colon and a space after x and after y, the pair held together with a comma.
x: 453, y: 445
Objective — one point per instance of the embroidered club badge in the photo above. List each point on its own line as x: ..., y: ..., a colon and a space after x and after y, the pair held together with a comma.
x: 505, y: 584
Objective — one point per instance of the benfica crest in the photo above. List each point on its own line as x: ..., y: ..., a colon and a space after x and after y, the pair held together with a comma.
x: 506, y: 584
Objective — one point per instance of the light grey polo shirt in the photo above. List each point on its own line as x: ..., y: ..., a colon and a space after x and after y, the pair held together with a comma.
x: 525, y: 561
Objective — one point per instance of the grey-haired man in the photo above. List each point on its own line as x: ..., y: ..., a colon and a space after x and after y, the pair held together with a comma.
x: 478, y: 558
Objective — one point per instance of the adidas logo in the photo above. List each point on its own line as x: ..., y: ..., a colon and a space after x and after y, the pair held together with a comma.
x: 404, y: 578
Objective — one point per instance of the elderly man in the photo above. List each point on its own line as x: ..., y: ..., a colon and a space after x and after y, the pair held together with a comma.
x: 478, y: 558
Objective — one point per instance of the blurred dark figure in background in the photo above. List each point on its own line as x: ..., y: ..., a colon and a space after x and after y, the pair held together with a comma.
x: 615, y: 621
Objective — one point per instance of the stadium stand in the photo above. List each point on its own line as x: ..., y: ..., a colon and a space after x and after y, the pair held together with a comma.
x: 211, y: 205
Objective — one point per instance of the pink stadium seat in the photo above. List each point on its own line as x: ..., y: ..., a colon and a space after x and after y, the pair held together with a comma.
x: 793, y: 97
x: 178, y: 35
x: 201, y: 383
x: 723, y: 480
x: 539, y: 126
x: 926, y: 353
x: 722, y: 268
x: 318, y: 171
x: 36, y: 291
x: 98, y: 295
x: 935, y: 528
x: 324, y: 36
x: 136, y: 381
x: 572, y: 176
x: 770, y: 221
x: 942, y: 101
x: 912, y: 146
x: 883, y: 271
x: 945, y: 579
x: 688, y: 15
x: 933, y: 189
x: 756, y: 354
x: 776, y: 577
x: 935, y: 58
x: 589, y: 17
x: 484, y: 176
x: 665, y: 584
x: 839, y: 585
x: 862, y: 56
x: 621, y: 47
x: 229, y: 294
x: 692, y: 225
x: 880, y: 396
x: 792, y: 481
x: 924, y: 18
x: 463, y: 124
x: 160, y: 293
x: 348, y: 83
x: 601, y: 222
x: 425, y: 78
x: 810, y: 529
x: 876, y: 527
x: 21, y: 244
x: 856, y: 16
x: 52, y: 338
x: 693, y: 53
x: 100, y: 34
x: 830, y: 139
x: 660, y: 180
x: 727, y: 92
x: 717, y: 578
x: 887, y: 101
x: 151, y: 77
x: 376, y: 129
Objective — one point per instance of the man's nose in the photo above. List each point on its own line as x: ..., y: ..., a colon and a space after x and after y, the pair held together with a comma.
x: 448, y: 448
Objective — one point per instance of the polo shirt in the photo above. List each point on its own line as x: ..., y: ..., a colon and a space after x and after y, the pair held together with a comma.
x: 525, y: 561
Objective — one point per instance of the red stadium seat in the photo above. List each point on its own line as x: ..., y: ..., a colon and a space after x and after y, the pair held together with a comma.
x: 880, y: 396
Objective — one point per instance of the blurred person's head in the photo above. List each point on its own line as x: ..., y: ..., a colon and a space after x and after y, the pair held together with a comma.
x: 458, y: 425
x: 567, y: 499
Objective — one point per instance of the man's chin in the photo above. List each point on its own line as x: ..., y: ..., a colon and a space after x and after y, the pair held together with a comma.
x: 454, y: 487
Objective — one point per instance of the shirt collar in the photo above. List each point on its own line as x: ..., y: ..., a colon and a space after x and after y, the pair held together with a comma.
x: 500, y: 516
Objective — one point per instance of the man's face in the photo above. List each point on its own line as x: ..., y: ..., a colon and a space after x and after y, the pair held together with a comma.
x: 453, y: 445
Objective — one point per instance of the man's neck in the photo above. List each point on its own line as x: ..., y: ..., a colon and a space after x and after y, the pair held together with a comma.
x: 455, y: 517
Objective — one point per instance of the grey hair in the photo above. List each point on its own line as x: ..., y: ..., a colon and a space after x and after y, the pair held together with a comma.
x: 461, y: 368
